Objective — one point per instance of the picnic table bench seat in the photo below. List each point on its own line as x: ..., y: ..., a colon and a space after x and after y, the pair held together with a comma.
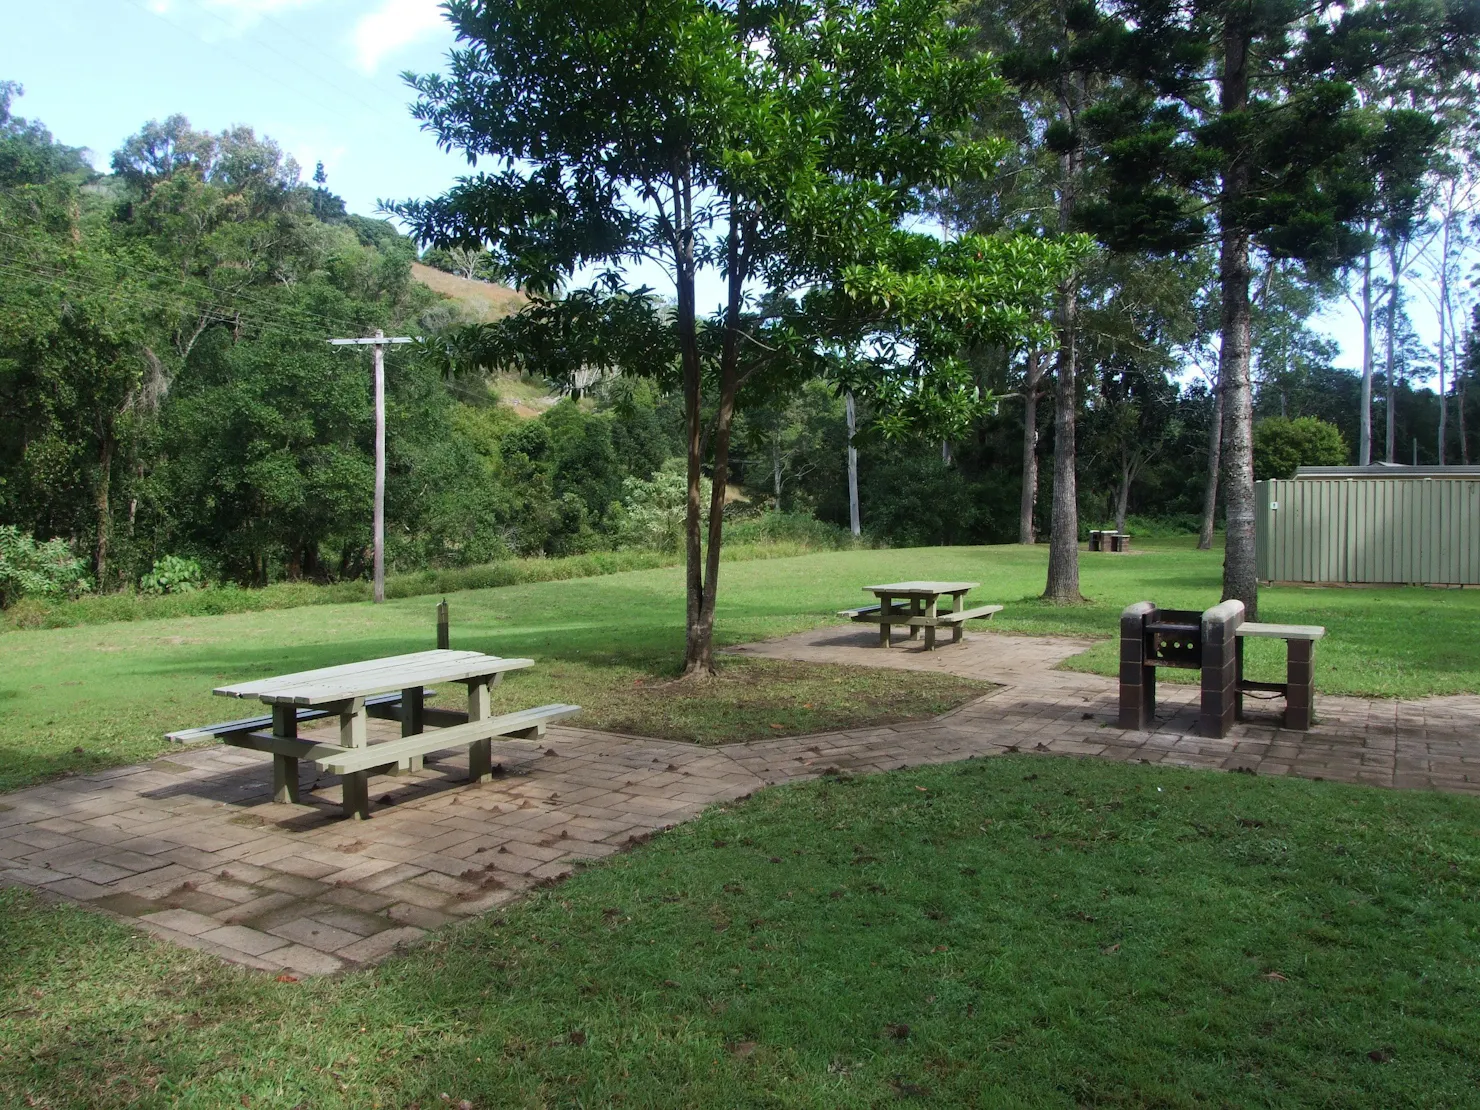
x: 381, y: 705
x: 954, y: 617
x: 868, y: 614
x: 356, y: 765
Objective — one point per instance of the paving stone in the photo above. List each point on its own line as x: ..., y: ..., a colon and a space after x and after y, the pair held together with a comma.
x: 242, y: 939
x: 372, y: 948
x: 310, y: 961
x: 315, y: 934
x: 406, y: 913
x: 182, y: 921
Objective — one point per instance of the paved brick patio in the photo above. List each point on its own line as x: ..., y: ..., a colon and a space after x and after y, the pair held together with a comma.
x: 191, y: 848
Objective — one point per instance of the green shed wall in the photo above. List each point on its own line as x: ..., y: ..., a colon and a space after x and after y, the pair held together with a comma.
x: 1378, y: 530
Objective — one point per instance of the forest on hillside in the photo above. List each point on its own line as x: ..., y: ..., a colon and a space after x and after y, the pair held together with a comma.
x: 169, y: 403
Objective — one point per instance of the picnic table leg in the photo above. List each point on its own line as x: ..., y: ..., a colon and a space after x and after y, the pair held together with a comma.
x: 413, y: 707
x: 1299, y: 684
x: 914, y: 612
x: 958, y: 603
x: 355, y: 785
x: 480, y: 752
x: 285, y: 787
x: 931, y: 608
x: 884, y: 606
x: 1238, y: 683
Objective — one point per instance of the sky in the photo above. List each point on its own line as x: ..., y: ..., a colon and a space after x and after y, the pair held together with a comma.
x: 322, y: 77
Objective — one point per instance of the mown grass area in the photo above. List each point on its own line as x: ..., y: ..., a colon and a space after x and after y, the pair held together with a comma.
x: 113, y: 690
x: 33, y: 613
x: 1012, y: 932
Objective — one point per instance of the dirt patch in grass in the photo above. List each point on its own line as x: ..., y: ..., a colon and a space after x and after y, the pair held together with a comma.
x: 753, y: 699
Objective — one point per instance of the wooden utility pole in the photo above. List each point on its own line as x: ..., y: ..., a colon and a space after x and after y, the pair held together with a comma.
x: 378, y: 341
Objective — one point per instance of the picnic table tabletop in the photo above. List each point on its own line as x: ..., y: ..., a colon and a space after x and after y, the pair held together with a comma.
x: 921, y: 589
x: 373, y: 676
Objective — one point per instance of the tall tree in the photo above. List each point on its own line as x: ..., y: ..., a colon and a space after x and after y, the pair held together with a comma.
x: 1255, y: 117
x: 781, y: 146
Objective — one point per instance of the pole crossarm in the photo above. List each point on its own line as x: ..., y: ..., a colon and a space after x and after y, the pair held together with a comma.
x: 373, y: 341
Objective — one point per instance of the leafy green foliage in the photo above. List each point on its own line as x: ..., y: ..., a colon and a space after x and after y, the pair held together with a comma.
x: 653, y: 511
x: 38, y: 570
x: 173, y: 574
x: 1282, y: 444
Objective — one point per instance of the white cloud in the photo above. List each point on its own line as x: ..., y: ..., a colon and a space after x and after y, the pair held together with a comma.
x: 397, y: 24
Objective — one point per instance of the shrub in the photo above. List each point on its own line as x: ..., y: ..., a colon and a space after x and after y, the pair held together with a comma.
x: 38, y: 570
x: 798, y: 528
x: 652, y: 512
x: 173, y: 575
x: 1282, y: 444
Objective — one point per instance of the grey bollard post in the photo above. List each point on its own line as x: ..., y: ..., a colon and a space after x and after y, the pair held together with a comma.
x: 443, y: 637
x: 1220, y: 677
x: 1137, y: 674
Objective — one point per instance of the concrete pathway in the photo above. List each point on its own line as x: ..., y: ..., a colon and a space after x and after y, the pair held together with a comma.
x: 191, y: 848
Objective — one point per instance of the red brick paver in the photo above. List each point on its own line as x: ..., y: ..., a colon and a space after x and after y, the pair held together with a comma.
x: 192, y: 849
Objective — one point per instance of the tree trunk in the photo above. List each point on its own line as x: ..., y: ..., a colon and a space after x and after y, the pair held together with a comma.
x: 695, y: 647
x: 1394, y: 274
x: 699, y: 660
x: 1122, y: 495
x: 103, y: 509
x: 1240, y: 580
x: 1210, y: 490
x: 854, y: 523
x: 1030, y: 448
x: 1364, y: 439
x: 1444, y: 332
x: 776, y: 466
x: 1063, y: 541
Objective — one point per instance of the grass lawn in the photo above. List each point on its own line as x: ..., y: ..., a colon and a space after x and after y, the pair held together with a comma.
x: 84, y: 697
x: 1018, y: 931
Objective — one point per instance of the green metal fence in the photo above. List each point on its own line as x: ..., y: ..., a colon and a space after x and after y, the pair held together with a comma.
x: 1369, y: 529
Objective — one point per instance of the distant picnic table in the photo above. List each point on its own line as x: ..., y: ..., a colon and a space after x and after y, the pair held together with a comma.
x: 393, y: 688
x: 917, y: 605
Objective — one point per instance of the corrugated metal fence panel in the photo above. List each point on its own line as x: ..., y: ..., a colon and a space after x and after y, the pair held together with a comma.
x: 1369, y: 530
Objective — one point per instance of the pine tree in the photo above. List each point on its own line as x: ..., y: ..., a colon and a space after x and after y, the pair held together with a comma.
x: 1247, y: 131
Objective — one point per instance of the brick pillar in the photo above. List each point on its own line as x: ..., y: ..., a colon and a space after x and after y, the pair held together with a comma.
x: 1300, y: 688
x: 1137, y: 674
x: 1220, y: 667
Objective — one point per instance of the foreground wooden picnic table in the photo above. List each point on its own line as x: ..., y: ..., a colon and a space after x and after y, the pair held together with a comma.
x: 923, y: 599
x: 393, y: 688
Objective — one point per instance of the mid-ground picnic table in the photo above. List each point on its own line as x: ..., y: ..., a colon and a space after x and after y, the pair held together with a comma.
x: 923, y: 600
x: 1119, y: 542
x: 393, y: 688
